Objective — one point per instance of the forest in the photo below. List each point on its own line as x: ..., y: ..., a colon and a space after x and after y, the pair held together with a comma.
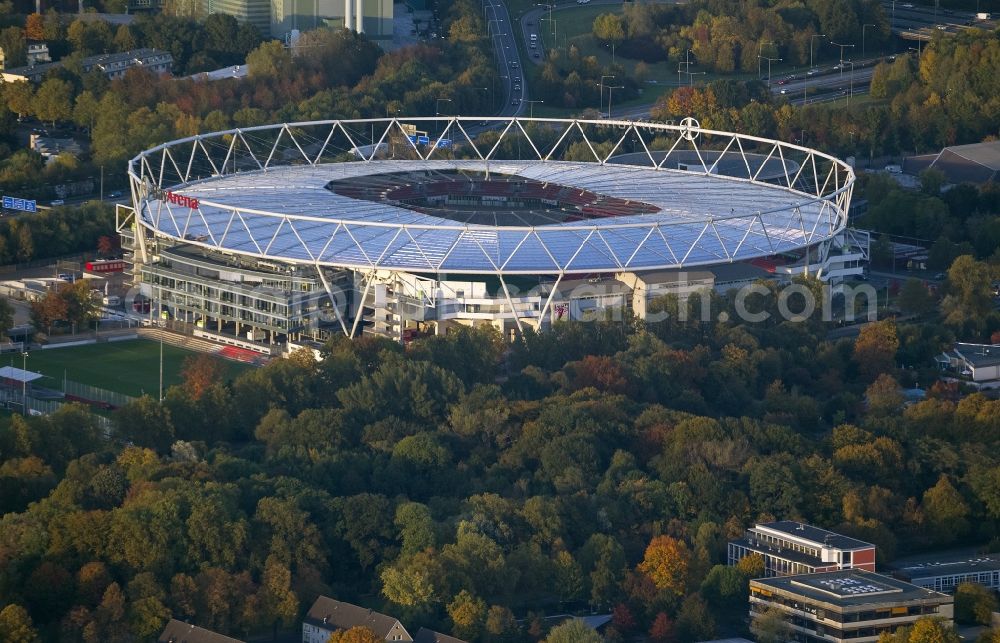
x: 471, y: 485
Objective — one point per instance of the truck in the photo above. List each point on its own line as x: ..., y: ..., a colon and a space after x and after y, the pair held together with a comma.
x: 983, y: 16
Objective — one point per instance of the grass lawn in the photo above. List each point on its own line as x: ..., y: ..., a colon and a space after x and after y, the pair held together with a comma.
x: 130, y: 367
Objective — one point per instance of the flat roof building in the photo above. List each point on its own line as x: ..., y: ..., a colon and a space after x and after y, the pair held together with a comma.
x: 944, y: 574
x: 980, y: 362
x: 113, y: 65
x: 847, y: 605
x: 791, y: 547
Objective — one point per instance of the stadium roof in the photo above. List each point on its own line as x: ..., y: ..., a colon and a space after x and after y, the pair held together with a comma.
x: 975, y: 163
x: 690, y: 218
x: 19, y: 375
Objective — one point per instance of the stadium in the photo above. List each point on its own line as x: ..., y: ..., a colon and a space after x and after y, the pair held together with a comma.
x: 404, y: 226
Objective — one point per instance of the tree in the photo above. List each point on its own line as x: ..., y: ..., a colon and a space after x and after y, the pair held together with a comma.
x: 969, y: 297
x: 915, y: 298
x: 946, y: 512
x: 694, y: 620
x: 875, y: 348
x: 884, y: 395
x: 278, y: 603
x: 6, y: 316
x: 609, y: 27
x: 357, y: 634
x: 771, y: 626
x: 269, y: 60
x: 34, y: 27
x: 572, y: 631
x: 200, y: 372
x: 751, y: 566
x: 16, y: 626
x: 974, y: 604
x: 468, y: 615
x: 666, y: 562
x: 145, y: 422
x: 932, y: 630
x: 20, y: 97
x: 662, y: 629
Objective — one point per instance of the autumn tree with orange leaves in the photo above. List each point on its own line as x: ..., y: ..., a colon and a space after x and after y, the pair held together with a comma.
x: 667, y: 563
x: 357, y: 634
x: 200, y: 373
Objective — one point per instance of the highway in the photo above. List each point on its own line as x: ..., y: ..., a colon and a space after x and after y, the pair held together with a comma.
x: 913, y: 22
x: 498, y: 26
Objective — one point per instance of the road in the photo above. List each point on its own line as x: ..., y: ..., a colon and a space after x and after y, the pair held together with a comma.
x: 913, y: 22
x: 498, y: 26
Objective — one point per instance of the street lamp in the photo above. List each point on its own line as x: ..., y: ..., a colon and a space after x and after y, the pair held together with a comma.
x: 837, y: 44
x: 815, y: 35
x: 601, y: 85
x: 437, y: 105
x: 612, y: 45
x: 24, y: 382
x: 863, y: 27
x: 555, y: 31
x: 486, y: 89
x: 760, y: 46
x: 850, y: 91
x: 531, y: 106
x: 805, y: 81
x: 769, y: 61
x: 609, y: 97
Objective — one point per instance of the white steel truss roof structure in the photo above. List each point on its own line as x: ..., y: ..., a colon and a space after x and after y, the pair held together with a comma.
x: 260, y: 192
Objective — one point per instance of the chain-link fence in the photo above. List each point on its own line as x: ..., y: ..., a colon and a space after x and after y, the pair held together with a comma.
x: 103, y: 398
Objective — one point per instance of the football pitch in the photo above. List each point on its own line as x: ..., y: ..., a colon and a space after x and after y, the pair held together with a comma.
x: 131, y: 367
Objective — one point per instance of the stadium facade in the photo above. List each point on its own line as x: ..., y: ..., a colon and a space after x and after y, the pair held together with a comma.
x: 280, y: 234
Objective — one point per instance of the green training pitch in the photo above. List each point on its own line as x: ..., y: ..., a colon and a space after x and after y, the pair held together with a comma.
x: 131, y: 367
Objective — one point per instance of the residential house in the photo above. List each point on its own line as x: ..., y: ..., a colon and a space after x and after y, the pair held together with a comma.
x: 327, y: 616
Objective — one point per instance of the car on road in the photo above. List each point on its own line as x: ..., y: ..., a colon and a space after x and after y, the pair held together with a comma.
x: 536, y: 55
x: 907, y: 6
x: 942, y: 27
x: 533, y: 45
x: 117, y: 194
x: 513, y: 64
x: 813, y: 71
x: 517, y: 88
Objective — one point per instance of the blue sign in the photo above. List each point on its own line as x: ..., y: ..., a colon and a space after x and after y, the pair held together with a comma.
x: 413, y: 139
x: 444, y: 142
x: 424, y: 140
x: 24, y: 205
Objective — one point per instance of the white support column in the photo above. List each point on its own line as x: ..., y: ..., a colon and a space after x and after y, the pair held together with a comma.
x: 359, y: 16
x: 348, y: 14
x: 510, y: 302
x: 548, y: 301
x: 369, y: 280
x: 333, y: 299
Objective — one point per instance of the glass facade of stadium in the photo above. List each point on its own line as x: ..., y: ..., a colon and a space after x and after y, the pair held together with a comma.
x: 284, y: 285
